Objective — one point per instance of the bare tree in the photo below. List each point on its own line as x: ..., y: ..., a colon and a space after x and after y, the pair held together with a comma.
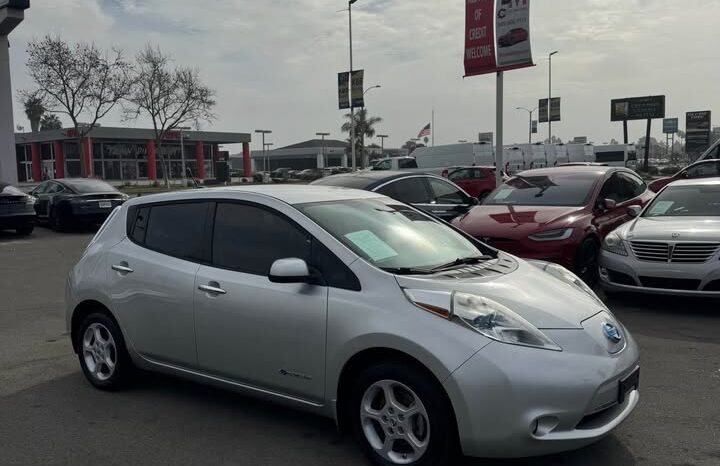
x: 79, y: 81
x: 171, y: 96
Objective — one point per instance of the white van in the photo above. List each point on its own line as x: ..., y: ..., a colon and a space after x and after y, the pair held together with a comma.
x: 616, y: 155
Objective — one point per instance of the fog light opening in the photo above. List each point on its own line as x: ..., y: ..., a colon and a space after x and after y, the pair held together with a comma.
x: 603, y: 272
x: 544, y: 425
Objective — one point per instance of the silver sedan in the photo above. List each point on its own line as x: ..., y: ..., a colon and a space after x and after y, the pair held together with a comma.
x: 412, y: 335
x: 673, y: 247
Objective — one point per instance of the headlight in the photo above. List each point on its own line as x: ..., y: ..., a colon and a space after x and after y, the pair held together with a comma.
x: 566, y: 276
x: 552, y: 235
x: 613, y: 243
x: 483, y: 315
x: 30, y: 200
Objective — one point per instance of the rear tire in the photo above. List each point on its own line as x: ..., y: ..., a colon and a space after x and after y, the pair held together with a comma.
x: 586, y: 261
x: 416, y: 428
x: 102, y: 353
x: 25, y: 230
x: 57, y: 220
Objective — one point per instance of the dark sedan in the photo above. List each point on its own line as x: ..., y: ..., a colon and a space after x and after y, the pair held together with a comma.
x: 430, y: 193
x: 73, y: 202
x: 17, y: 210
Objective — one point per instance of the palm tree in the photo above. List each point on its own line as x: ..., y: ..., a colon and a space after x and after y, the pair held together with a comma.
x: 364, y: 128
x: 34, y: 110
x: 49, y: 122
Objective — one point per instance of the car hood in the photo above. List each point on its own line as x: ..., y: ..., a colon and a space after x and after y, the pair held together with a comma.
x: 515, y: 222
x: 671, y: 229
x: 541, y: 299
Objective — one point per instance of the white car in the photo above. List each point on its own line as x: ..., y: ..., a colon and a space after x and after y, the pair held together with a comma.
x: 672, y: 247
x: 412, y: 335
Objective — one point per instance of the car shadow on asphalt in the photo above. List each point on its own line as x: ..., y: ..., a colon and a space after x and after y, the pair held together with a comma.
x: 165, y: 420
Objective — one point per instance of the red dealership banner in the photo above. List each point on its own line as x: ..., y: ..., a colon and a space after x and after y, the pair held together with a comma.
x: 480, y: 37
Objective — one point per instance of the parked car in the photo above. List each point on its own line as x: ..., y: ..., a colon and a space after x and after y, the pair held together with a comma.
x: 512, y: 37
x: 703, y: 169
x: 430, y: 193
x: 408, y: 333
x: 66, y: 203
x: 476, y: 181
x: 394, y: 164
x: 713, y: 152
x: 311, y: 174
x: 672, y: 247
x: 17, y: 210
x: 558, y: 214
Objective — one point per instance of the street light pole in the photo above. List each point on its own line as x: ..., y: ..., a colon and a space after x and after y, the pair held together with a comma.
x: 382, y: 143
x: 531, y: 120
x: 352, y: 107
x: 264, y: 132
x: 550, y: 96
x: 324, y: 152
x: 182, y: 153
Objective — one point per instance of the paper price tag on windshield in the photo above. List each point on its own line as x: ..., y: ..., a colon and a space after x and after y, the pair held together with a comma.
x: 371, y: 245
x: 661, y: 207
x: 503, y: 194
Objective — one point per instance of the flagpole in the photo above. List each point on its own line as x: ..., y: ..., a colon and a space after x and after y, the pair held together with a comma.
x: 432, y: 128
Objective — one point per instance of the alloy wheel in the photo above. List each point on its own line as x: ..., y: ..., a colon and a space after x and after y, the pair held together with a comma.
x: 395, y: 422
x: 99, y: 351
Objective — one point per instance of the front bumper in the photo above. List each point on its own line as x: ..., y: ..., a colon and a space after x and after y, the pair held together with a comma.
x: 512, y: 401
x: 627, y: 273
x: 10, y: 222
x: 558, y: 252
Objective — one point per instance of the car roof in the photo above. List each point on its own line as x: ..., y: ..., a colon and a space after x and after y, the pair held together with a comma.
x: 715, y: 181
x: 287, y: 193
x: 599, y: 171
x: 367, y: 179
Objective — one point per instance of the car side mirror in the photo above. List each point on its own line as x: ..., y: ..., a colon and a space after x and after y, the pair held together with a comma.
x: 609, y: 204
x: 474, y: 201
x: 634, y: 211
x: 289, y: 271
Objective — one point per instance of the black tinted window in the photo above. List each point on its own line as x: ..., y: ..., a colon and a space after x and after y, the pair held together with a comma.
x: 249, y: 239
x: 561, y: 189
x: 446, y: 193
x: 621, y: 187
x: 177, y: 229
x: 409, y: 190
x: 91, y: 186
x: 636, y: 186
x: 137, y: 223
x: 704, y: 170
x: 407, y: 163
x: 332, y: 269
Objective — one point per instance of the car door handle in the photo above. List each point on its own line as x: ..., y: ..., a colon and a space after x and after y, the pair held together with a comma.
x: 209, y: 288
x: 122, y: 268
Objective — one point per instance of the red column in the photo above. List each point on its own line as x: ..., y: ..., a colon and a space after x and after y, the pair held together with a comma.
x: 88, y: 146
x: 59, y: 159
x: 200, y: 159
x: 36, y: 162
x: 151, y: 160
x: 247, y: 168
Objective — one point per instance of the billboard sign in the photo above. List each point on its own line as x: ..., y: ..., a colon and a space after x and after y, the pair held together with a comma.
x: 344, y: 90
x: 637, y: 108
x: 670, y: 125
x: 580, y: 140
x: 486, y: 137
x: 697, y: 131
x: 479, y: 37
x: 554, y: 109
x: 357, y: 89
x: 513, y: 33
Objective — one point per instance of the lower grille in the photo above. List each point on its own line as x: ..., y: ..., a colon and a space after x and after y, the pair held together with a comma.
x: 670, y: 283
x: 620, y: 278
x: 712, y: 286
x: 12, y: 200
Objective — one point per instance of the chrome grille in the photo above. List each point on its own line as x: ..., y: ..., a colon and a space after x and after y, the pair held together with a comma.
x: 681, y: 253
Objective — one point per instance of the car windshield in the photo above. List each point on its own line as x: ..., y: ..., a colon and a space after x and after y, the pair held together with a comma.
x: 567, y: 189
x: 686, y: 201
x: 90, y: 186
x: 390, y: 235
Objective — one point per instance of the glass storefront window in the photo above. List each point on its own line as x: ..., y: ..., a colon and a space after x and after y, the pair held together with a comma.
x: 72, y: 169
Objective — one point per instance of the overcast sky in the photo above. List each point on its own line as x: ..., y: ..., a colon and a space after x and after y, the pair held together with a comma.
x: 274, y: 63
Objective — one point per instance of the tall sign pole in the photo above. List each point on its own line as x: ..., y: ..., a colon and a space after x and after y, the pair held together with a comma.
x: 499, y: 151
x: 352, y: 107
x: 12, y: 13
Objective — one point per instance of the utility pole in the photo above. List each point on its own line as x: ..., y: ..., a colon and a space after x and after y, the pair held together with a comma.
x: 382, y: 143
x: 264, y: 132
x: 324, y: 152
x: 182, y: 130
x: 352, y: 107
x: 531, y: 121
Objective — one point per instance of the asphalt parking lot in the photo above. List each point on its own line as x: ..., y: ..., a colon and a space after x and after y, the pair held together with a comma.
x: 49, y: 415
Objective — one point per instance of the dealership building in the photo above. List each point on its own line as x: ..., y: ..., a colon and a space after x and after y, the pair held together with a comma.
x: 122, y: 154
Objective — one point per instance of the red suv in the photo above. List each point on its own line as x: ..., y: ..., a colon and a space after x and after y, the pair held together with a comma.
x: 558, y: 214
x: 476, y: 181
x: 703, y: 169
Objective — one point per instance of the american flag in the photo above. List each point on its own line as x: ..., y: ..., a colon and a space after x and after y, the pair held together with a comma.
x: 425, y: 131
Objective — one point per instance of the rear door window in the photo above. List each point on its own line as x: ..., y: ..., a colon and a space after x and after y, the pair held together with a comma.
x: 408, y: 190
x: 177, y: 229
x: 460, y: 175
x: 446, y: 193
x: 704, y: 170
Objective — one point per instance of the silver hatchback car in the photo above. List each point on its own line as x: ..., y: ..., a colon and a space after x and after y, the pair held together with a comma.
x: 412, y: 335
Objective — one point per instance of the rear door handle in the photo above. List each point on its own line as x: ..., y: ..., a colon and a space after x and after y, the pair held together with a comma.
x: 122, y: 268
x: 212, y: 288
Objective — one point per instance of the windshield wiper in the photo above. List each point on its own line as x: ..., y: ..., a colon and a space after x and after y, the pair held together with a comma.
x: 462, y: 261
x: 407, y: 270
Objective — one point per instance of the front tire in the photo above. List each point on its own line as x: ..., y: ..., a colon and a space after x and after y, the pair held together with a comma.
x: 102, y: 353
x: 586, y: 261
x: 400, y: 416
